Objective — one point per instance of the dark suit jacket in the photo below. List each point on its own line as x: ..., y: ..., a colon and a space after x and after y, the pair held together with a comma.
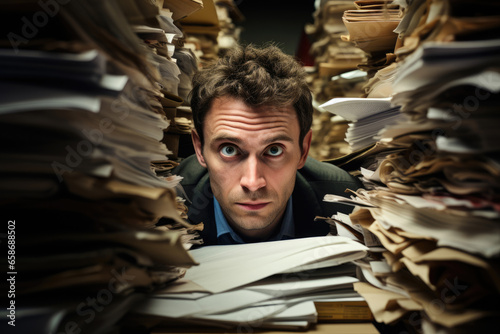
x: 313, y: 181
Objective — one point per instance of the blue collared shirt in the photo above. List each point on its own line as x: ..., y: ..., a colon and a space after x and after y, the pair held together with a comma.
x: 226, y: 235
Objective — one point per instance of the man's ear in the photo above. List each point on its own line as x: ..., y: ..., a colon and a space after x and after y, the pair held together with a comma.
x: 306, y: 145
x: 198, y: 148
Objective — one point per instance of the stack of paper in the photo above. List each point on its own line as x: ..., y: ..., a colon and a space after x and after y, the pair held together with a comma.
x: 380, y: 84
x: 372, y: 30
x: 229, y: 17
x: 82, y: 118
x: 332, y: 55
x: 264, y: 285
x: 182, y: 8
x: 367, y: 116
x: 332, y: 71
x: 202, y: 29
x: 430, y: 258
x: 378, y: 66
x: 370, y: 27
x: 433, y: 200
x: 176, y: 64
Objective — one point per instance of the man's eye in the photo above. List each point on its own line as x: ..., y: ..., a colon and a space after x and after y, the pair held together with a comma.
x: 275, y: 151
x: 229, y: 151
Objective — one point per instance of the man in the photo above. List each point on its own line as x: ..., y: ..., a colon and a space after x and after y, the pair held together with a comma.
x: 251, y: 179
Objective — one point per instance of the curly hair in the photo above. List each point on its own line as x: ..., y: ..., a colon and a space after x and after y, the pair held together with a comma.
x: 260, y: 77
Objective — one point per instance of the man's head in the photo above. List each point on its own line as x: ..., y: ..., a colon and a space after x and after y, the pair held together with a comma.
x: 259, y: 77
x: 252, y: 112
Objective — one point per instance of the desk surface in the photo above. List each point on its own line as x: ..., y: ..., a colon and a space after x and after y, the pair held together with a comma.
x: 322, y: 328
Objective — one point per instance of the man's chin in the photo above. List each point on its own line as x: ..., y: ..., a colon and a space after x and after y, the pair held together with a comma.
x: 255, y: 228
x: 255, y: 233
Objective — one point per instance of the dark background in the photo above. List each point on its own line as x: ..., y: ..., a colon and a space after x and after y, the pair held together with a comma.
x: 281, y: 22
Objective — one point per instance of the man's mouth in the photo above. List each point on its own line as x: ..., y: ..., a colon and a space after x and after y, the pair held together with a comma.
x: 252, y: 206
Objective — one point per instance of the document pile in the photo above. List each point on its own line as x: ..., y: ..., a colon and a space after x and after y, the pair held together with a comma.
x: 332, y: 55
x: 332, y: 72
x: 366, y: 116
x: 229, y: 17
x: 371, y: 28
x: 433, y: 202
x: 261, y: 285
x: 369, y: 110
x: 81, y: 121
x: 362, y: 21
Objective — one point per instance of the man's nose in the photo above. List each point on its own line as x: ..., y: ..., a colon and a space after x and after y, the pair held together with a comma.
x: 252, y: 174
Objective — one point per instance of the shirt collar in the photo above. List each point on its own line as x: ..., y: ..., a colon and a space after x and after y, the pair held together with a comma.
x: 225, y: 234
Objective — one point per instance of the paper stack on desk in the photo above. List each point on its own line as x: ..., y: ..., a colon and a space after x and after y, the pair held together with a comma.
x: 431, y: 196
x: 82, y: 117
x: 262, y: 285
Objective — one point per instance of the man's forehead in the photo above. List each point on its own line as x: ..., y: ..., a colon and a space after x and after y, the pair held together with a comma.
x: 234, y: 121
x: 251, y: 121
x: 233, y: 104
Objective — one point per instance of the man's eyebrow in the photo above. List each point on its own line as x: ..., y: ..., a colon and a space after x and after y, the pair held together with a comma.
x: 281, y: 137
x: 226, y: 138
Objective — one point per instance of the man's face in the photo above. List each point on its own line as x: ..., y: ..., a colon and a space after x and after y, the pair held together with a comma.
x: 252, y: 155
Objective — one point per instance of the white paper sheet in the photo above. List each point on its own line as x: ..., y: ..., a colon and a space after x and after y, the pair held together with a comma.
x: 223, y: 268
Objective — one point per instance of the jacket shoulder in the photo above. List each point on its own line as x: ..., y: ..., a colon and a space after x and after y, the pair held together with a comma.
x: 317, y: 171
x: 190, y: 170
